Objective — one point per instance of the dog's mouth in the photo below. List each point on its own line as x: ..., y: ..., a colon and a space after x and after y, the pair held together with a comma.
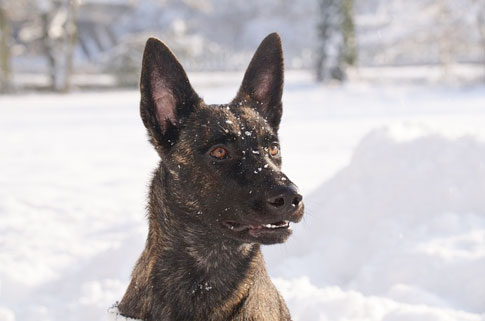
x: 267, y: 231
x: 255, y: 229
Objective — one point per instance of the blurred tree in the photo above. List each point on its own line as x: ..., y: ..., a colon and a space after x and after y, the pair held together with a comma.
x: 481, y: 29
x: 336, y: 33
x: 325, y: 29
x: 5, y: 80
x: 453, y: 35
x: 58, y: 21
x: 448, y: 34
x: 349, y: 53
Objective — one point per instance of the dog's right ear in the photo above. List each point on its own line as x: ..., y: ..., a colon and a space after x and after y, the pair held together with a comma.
x: 167, y: 97
x: 263, y: 80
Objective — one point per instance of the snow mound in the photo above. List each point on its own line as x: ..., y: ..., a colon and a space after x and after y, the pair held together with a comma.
x: 404, y: 220
x: 6, y: 314
x: 308, y: 302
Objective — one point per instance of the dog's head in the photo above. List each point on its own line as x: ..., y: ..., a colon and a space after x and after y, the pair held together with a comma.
x: 224, y: 160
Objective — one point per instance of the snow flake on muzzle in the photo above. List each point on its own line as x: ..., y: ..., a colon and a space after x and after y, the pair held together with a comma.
x: 115, y: 315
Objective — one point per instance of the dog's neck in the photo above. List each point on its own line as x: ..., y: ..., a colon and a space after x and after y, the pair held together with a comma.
x: 183, y: 259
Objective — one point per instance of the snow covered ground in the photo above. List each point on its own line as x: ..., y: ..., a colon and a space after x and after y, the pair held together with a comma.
x: 393, y: 179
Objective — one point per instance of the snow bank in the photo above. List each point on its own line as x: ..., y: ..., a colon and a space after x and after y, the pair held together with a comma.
x: 405, y: 220
x: 308, y: 302
x: 6, y: 314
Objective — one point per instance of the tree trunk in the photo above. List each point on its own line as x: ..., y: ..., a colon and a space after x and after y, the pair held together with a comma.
x: 47, y: 44
x: 5, y: 81
x: 481, y: 31
x: 71, y: 39
x: 59, y: 48
x: 325, y: 30
x: 336, y: 34
x: 348, y: 30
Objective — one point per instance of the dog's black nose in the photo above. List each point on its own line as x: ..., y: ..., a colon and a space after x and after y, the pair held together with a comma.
x: 283, y: 199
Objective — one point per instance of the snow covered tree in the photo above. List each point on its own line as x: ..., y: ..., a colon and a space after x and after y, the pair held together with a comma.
x: 336, y: 34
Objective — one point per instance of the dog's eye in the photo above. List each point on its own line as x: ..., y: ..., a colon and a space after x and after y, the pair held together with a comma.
x: 274, y: 149
x: 219, y: 153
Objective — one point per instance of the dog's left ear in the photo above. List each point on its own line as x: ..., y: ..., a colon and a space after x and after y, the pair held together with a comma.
x: 263, y: 80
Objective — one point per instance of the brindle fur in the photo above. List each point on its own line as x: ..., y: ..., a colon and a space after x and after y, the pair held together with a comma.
x: 192, y: 267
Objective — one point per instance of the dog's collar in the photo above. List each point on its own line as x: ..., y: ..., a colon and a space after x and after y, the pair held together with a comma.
x: 115, y: 315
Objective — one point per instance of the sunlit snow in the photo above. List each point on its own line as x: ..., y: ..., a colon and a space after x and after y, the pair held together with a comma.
x: 392, y: 178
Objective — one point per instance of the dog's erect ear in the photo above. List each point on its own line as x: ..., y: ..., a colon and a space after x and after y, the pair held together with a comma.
x: 263, y: 81
x: 166, y: 94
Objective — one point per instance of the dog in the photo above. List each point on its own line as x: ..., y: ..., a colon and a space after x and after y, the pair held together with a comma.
x: 216, y: 196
